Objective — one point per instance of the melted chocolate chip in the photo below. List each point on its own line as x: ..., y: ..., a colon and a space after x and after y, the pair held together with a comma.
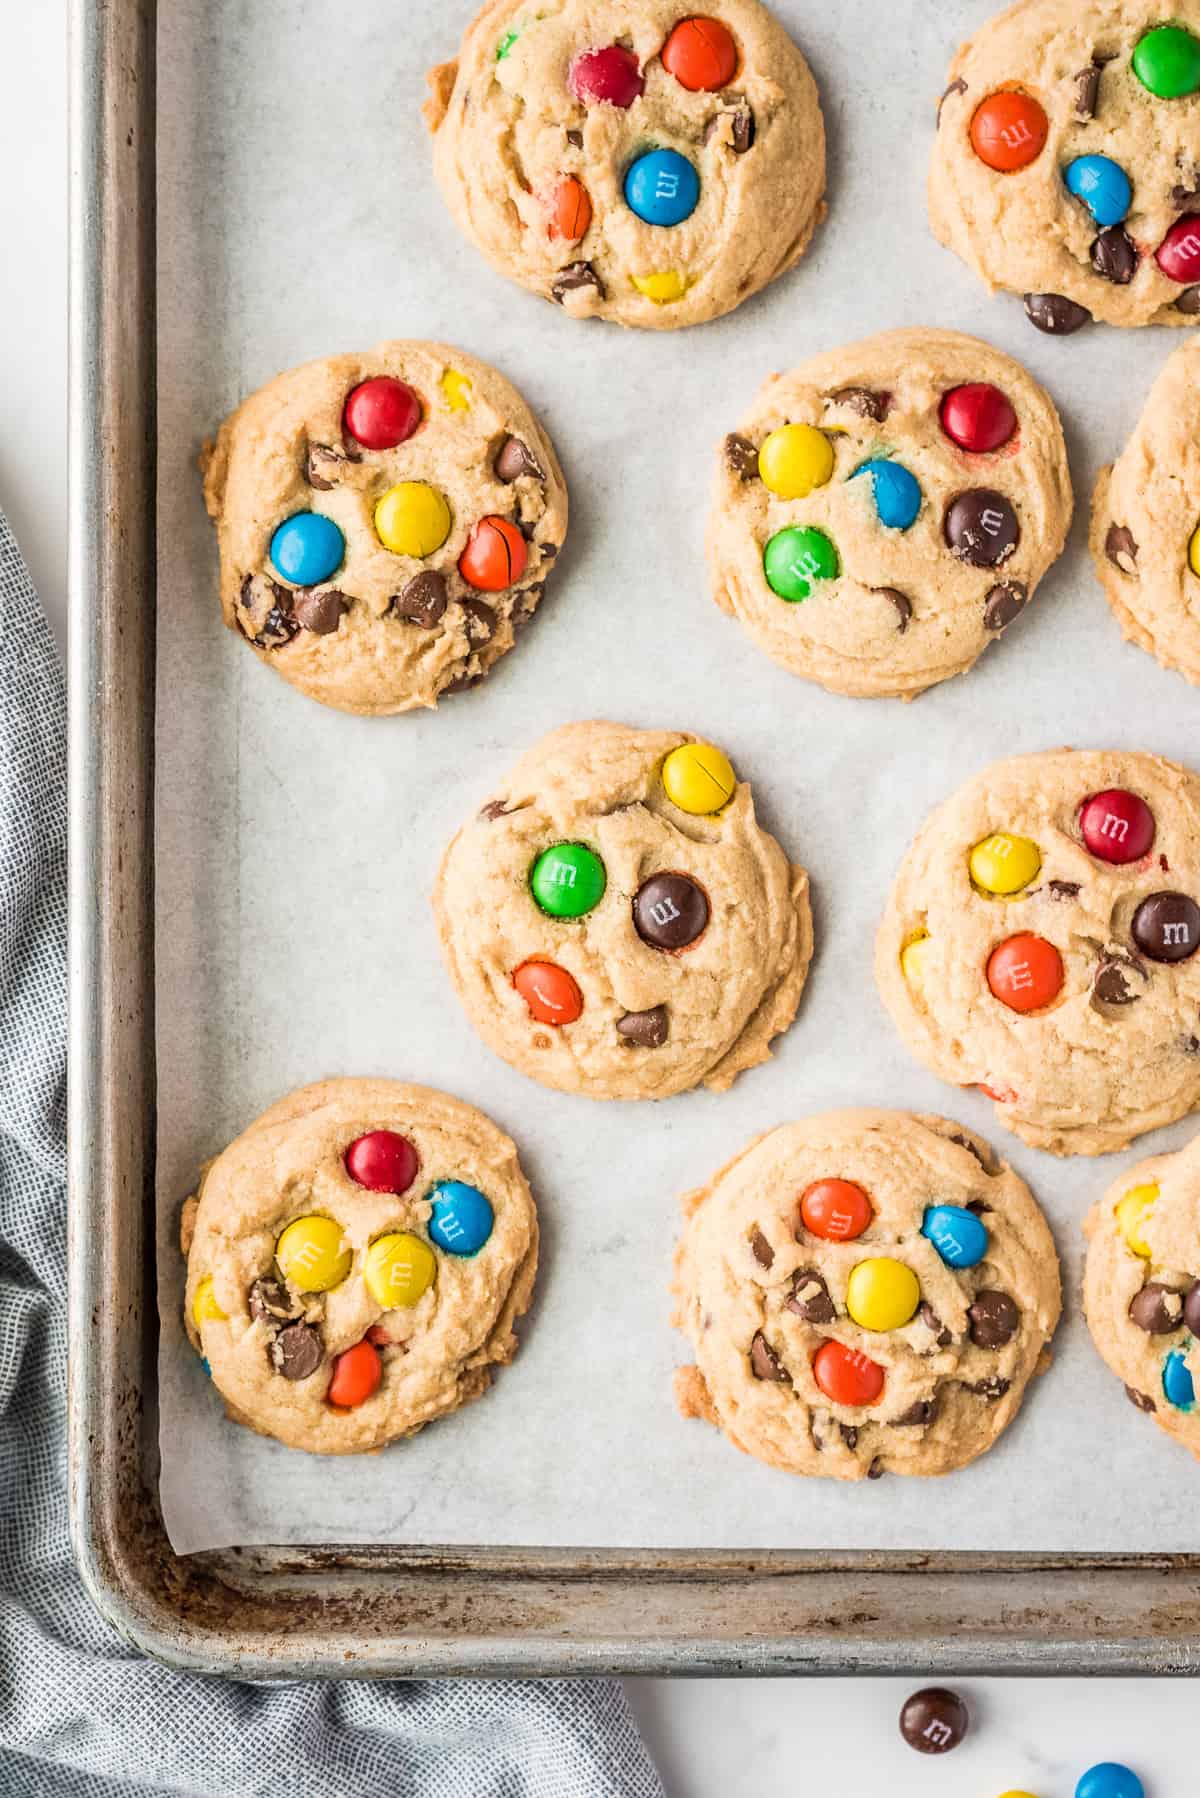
x: 496, y: 808
x: 866, y: 401
x: 933, y: 1322
x: 992, y: 1388
x: 572, y: 278
x: 516, y: 459
x: 1115, y: 256
x: 1191, y: 1045
x: 1140, y: 1399
x: 1120, y: 548
x: 670, y: 911
x: 934, y: 1720
x: 981, y: 527
x: 480, y: 620
x: 849, y: 1435
x: 1166, y: 927
x: 964, y: 1142
x: 278, y: 626
x: 741, y: 457
x: 297, y: 1351
x: 766, y: 1364
x: 1191, y: 1308
x: 1063, y: 889
x: 270, y: 1301
x: 742, y: 128
x: 576, y: 138
x: 810, y: 1297
x: 875, y: 1470
x: 1087, y: 91
x: 993, y: 1319
x: 761, y: 1249
x: 1157, y: 1309
x: 1114, y: 982
x: 323, y: 466
x: 644, y: 1029
x: 955, y: 87
x: 423, y: 600
x: 1006, y: 601
x: 319, y: 610
x: 1188, y: 302
x: 902, y: 604
x: 1055, y: 314
x: 917, y: 1415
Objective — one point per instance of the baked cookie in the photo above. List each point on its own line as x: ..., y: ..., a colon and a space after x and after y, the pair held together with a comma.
x: 630, y: 160
x: 618, y: 923
x: 356, y: 1260
x: 1146, y: 521
x: 1040, y: 942
x: 1067, y: 160
x: 1141, y: 1287
x: 866, y: 1292
x: 386, y: 523
x: 885, y: 511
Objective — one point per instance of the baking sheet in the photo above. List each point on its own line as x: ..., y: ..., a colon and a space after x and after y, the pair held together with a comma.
x: 296, y: 848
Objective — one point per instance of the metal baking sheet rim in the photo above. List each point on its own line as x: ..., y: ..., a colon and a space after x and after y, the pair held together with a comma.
x: 386, y: 1612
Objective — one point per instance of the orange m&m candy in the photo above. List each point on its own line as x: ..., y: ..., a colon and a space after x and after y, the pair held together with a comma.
x: 1025, y: 972
x: 1009, y: 131
x: 701, y: 54
x: 846, y: 1375
x: 836, y: 1210
x: 570, y: 209
x: 495, y: 556
x: 356, y: 1375
x: 552, y: 995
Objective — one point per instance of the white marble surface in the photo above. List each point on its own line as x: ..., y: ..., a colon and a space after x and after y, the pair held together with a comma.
x: 728, y: 1739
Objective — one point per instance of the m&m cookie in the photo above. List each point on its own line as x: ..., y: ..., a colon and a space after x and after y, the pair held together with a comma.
x: 356, y: 1260
x: 885, y: 511
x: 616, y: 921
x: 866, y: 1292
x: 1067, y: 161
x: 1141, y: 1288
x: 1146, y: 521
x: 635, y: 161
x: 387, y: 523
x: 1042, y: 942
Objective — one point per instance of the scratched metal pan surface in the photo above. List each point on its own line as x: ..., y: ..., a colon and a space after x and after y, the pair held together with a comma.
x: 383, y: 1611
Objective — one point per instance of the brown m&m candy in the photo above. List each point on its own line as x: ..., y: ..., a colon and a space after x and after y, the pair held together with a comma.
x: 1166, y: 927
x: 670, y: 911
x: 934, y: 1720
x: 981, y: 527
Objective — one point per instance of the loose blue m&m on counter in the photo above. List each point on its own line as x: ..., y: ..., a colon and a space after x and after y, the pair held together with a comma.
x: 1103, y: 186
x: 1178, y: 1384
x: 662, y: 187
x: 897, y: 492
x: 307, y: 548
x: 462, y: 1218
x: 957, y: 1235
x: 1109, y: 1779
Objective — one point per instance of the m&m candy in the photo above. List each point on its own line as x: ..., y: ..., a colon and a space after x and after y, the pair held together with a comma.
x: 311, y: 1256
x: 1178, y: 255
x: 552, y: 995
x: 462, y: 1219
x: 956, y: 1233
x: 570, y: 210
x: 795, y: 459
x: 882, y: 1294
x: 505, y: 46
x: 1109, y: 1779
x: 381, y: 413
x: 1132, y: 1211
x: 934, y: 1720
x: 356, y: 1375
x: 699, y: 779
x: 1166, y: 927
x: 412, y: 519
x: 896, y: 491
x: 1002, y: 864
x: 399, y: 1270
x: 1178, y: 1386
x: 382, y: 1161
x: 835, y: 1210
x: 1025, y: 972
x: 662, y: 188
x: 608, y: 76
x: 1167, y: 62
x: 701, y: 54
x: 796, y: 558
x: 205, y: 1308
x: 495, y: 557
x: 663, y: 288
x: 1194, y: 551
x: 1009, y: 131
x: 1117, y: 826
x: 846, y: 1375
x: 568, y: 880
x: 914, y: 960
x: 978, y: 417
x: 1102, y: 185
x: 456, y: 391
x: 307, y: 548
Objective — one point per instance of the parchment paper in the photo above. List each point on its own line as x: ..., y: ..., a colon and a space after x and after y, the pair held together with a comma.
x: 297, y: 847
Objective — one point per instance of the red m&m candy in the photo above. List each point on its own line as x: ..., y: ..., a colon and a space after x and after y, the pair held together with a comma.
x: 978, y: 417
x: 847, y: 1376
x: 570, y: 210
x: 382, y: 1161
x: 701, y: 54
x: 495, y: 556
x: 1117, y: 826
x: 1179, y: 252
x: 381, y: 413
x: 1025, y: 972
x: 836, y: 1210
x: 552, y: 995
x: 608, y: 76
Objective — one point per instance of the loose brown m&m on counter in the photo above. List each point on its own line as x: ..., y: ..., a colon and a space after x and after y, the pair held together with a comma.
x: 934, y: 1720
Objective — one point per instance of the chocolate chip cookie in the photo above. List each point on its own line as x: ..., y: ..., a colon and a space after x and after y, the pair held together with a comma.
x: 616, y: 921
x: 1040, y: 942
x: 387, y: 523
x: 356, y: 1261
x: 866, y: 1292
x: 885, y: 511
x: 631, y: 160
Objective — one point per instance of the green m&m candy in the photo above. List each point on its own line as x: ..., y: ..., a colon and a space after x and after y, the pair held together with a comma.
x: 1167, y: 62
x: 796, y: 559
x: 568, y: 880
x: 505, y: 45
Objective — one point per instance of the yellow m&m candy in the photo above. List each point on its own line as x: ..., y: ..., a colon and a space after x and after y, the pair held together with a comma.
x: 914, y: 960
x: 795, y: 459
x: 1132, y: 1214
x: 663, y: 288
x: 400, y: 1269
x: 412, y: 519
x: 883, y: 1294
x: 311, y: 1256
x: 1004, y: 864
x: 1194, y: 551
x: 457, y: 391
x: 205, y: 1308
x: 699, y: 779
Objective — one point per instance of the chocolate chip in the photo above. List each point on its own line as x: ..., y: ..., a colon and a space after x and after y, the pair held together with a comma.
x: 917, y: 1416
x: 423, y: 600
x: 875, y: 1470
x: 1188, y: 301
x: 849, y: 1435
x: 1184, y: 197
x: 1115, y: 256
x: 744, y: 130
x: 977, y: 1206
x: 461, y: 683
x: 993, y: 1319
x: 902, y: 604
x: 1055, y: 314
x: 964, y: 1142
x: 992, y: 1388
x: 1063, y: 889
x: 1166, y: 927
x: 1121, y: 549
x: 741, y: 457
x: 981, y: 527
x: 1087, y: 91
x: 810, y: 1297
x: 766, y: 1363
x: 1157, y: 1309
x: 1191, y: 1308
x: 576, y: 138
x: 323, y: 466
x: 270, y: 608
x: 645, y: 1029
x: 955, y: 87
x: 761, y: 1249
x: 866, y: 401
x: 480, y: 620
x: 1142, y: 1401
x: 572, y: 278
x: 496, y: 808
x: 270, y: 1301
x: 934, y: 1720
x: 1005, y: 602
x: 516, y: 459
x: 1191, y: 1045
x: 1114, y: 981
x: 670, y: 911
x: 319, y: 610
x: 933, y: 1322
x: 297, y: 1351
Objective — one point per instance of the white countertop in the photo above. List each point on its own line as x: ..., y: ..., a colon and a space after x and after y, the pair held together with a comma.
x: 713, y: 1739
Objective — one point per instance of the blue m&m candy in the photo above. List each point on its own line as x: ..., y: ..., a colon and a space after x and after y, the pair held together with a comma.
x: 897, y: 492
x: 957, y: 1235
x: 307, y: 549
x: 462, y: 1218
x: 1110, y: 1780
x: 1178, y: 1384
x: 1103, y: 186
x: 662, y: 187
